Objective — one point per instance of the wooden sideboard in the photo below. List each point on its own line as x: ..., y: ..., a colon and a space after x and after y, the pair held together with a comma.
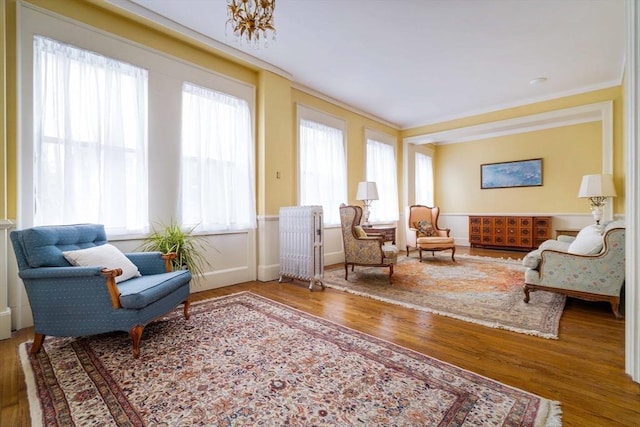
x: 509, y: 232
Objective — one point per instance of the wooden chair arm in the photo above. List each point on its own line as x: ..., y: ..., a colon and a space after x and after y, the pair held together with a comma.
x: 111, y: 285
x: 168, y: 267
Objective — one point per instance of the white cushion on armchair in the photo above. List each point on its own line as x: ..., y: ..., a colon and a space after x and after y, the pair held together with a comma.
x: 589, y: 241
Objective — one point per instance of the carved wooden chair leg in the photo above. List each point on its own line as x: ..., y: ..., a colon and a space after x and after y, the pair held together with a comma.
x: 420, y: 253
x: 390, y: 272
x: 136, y: 335
x: 453, y: 254
x: 407, y: 250
x: 346, y: 271
x: 38, y: 339
x: 615, y: 304
x: 526, y: 294
x: 187, y: 303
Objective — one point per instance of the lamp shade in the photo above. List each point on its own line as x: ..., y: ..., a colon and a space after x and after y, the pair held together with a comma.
x: 600, y: 185
x: 367, y: 190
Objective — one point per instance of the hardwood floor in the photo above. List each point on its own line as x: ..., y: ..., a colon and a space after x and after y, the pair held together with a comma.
x: 583, y: 369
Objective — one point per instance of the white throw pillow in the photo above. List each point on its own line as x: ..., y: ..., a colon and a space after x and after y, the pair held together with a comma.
x: 589, y: 241
x: 106, y: 256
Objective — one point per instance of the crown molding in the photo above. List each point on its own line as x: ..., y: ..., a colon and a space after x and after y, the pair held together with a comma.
x: 341, y: 104
x: 519, y: 103
x: 557, y: 118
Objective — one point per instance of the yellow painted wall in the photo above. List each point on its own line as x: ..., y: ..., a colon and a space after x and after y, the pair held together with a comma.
x: 276, y: 150
x: 568, y: 152
x: 459, y: 171
x: 3, y: 109
x: 8, y: 114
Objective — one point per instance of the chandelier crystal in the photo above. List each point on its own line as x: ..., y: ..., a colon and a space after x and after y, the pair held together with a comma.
x: 251, y: 20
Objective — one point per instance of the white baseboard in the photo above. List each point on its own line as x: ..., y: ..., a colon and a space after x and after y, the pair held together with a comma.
x: 5, y: 324
x: 267, y: 273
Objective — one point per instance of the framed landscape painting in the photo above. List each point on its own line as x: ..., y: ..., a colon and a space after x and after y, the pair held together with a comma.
x: 520, y: 173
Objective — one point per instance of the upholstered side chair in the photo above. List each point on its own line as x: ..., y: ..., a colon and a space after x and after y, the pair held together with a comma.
x: 423, y: 232
x: 360, y: 249
x: 74, y: 292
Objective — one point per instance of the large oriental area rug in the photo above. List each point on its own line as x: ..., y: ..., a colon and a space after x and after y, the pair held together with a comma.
x: 246, y: 360
x: 487, y: 291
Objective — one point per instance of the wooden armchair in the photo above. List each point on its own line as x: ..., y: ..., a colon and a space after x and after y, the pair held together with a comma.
x: 423, y: 232
x: 360, y: 249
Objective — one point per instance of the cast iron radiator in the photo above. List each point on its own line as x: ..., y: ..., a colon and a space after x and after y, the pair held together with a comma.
x: 301, y: 249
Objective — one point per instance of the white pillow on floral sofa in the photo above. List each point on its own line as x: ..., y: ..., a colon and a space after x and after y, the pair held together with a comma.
x: 589, y: 241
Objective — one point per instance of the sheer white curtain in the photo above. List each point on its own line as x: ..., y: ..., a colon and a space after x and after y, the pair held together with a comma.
x: 424, y: 179
x: 323, y: 171
x: 90, y: 139
x: 218, y: 175
x: 381, y: 168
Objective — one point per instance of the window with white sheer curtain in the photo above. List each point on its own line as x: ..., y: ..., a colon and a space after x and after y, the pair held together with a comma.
x: 322, y: 166
x: 424, y: 179
x: 90, y: 139
x: 218, y: 174
x: 381, y: 168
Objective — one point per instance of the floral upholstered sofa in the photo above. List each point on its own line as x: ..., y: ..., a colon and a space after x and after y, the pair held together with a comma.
x: 589, y: 266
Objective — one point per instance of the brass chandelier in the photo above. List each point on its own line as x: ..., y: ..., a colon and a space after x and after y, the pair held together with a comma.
x: 251, y: 20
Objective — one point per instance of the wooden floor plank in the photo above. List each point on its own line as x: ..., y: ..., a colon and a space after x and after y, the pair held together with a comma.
x: 583, y: 369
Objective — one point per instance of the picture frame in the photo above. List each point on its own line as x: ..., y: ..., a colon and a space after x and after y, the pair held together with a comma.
x: 518, y: 173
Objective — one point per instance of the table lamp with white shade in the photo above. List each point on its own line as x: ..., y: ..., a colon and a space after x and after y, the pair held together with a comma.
x: 367, y: 193
x: 597, y: 188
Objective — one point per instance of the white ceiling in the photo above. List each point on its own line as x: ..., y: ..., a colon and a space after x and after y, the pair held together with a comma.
x: 415, y: 62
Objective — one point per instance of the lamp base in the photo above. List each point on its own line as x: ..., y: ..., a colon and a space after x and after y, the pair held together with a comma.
x: 365, y: 213
x: 596, y: 211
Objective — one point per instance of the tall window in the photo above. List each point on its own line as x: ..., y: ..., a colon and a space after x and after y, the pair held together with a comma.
x: 381, y: 168
x: 322, y: 168
x: 90, y: 139
x: 217, y: 161
x: 424, y: 180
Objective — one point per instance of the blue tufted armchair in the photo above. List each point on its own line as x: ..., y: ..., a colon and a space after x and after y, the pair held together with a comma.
x: 77, y: 301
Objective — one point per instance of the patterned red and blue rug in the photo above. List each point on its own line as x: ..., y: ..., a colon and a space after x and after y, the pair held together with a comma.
x: 243, y: 360
x: 486, y: 291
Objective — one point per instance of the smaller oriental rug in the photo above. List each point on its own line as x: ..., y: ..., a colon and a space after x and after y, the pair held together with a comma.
x: 244, y: 360
x: 486, y: 291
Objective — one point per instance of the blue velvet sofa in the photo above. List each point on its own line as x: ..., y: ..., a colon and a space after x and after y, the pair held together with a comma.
x: 75, y: 301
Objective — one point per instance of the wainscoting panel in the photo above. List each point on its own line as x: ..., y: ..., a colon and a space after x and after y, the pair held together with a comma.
x: 269, y: 247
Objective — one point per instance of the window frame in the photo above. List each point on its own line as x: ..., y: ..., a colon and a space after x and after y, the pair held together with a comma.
x: 304, y: 112
x: 380, y: 137
x: 166, y: 74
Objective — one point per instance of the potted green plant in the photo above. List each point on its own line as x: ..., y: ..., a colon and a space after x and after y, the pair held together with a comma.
x: 188, y: 246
